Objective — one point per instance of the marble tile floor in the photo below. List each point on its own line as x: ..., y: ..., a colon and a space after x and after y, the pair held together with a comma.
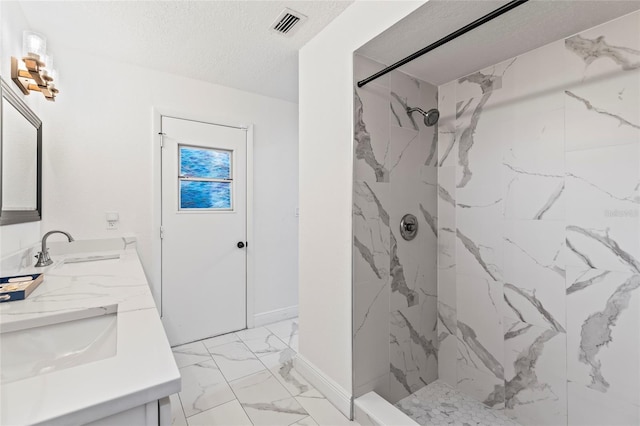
x: 440, y: 404
x: 247, y: 378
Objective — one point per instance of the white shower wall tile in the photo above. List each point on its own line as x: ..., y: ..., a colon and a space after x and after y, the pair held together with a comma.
x: 603, y: 325
x: 483, y: 387
x: 588, y: 407
x: 533, y: 168
x: 479, y: 237
x: 534, y: 273
x: 407, y: 155
x: 371, y: 332
x: 544, y: 170
x: 371, y: 233
x: 479, y: 324
x: 602, y: 209
x: 371, y: 142
x: 540, y: 80
x: 395, y: 281
x: 535, y: 380
x: 603, y: 96
x: 405, y: 93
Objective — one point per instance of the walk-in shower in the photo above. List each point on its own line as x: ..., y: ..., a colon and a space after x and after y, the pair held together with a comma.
x: 518, y: 299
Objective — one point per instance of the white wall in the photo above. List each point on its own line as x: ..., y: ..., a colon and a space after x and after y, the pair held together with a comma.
x: 12, y: 24
x: 326, y: 173
x: 98, y: 157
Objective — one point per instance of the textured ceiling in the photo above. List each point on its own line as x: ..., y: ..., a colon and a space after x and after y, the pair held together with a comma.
x: 223, y: 42
x: 527, y: 27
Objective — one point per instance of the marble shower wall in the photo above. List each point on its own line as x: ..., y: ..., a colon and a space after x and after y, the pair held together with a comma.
x: 395, y: 281
x: 539, y: 248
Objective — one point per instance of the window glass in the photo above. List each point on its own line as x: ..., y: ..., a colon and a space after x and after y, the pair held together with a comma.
x: 205, y: 163
x: 205, y: 179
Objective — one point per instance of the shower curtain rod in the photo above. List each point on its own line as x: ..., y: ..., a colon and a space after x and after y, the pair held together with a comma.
x: 446, y: 39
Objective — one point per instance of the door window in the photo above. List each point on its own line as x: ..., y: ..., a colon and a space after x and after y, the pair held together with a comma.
x: 205, y: 178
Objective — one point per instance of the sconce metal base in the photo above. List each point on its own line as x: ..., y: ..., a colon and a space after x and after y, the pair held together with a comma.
x: 32, y: 80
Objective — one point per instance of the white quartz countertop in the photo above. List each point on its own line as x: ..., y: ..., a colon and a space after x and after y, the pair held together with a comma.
x: 142, y: 370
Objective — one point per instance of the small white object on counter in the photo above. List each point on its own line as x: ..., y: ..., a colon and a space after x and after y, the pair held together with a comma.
x: 141, y: 371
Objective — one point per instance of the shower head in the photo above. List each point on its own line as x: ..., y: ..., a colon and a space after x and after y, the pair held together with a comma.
x: 430, y: 117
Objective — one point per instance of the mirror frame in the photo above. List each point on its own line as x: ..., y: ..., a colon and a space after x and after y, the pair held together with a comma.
x: 9, y: 217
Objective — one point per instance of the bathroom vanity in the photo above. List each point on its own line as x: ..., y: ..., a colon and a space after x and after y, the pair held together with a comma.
x: 87, y: 346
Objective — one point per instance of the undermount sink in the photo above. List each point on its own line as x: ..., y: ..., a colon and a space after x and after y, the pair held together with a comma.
x: 57, y: 342
x: 91, y: 258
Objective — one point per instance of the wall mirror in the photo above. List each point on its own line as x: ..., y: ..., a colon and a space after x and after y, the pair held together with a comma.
x: 20, y: 160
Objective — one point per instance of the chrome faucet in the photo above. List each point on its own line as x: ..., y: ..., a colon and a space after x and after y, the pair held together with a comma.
x: 43, y: 256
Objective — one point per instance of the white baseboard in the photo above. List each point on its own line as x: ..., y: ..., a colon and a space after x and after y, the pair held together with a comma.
x: 335, y: 393
x: 270, y: 317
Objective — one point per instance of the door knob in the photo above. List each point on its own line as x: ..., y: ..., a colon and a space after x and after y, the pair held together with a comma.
x: 240, y: 244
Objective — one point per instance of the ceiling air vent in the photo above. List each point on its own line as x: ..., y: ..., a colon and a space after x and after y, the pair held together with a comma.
x: 288, y: 22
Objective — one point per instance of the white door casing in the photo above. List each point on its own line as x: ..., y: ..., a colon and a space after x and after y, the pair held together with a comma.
x: 204, y: 273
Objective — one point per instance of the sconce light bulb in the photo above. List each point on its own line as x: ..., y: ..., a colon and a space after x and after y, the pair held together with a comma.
x: 34, y: 45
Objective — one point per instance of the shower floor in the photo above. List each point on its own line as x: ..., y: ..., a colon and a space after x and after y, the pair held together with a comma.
x: 440, y: 404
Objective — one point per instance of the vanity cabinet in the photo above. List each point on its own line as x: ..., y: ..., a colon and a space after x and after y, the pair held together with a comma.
x: 152, y: 414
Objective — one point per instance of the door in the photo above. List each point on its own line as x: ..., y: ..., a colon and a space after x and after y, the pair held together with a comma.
x: 204, y: 187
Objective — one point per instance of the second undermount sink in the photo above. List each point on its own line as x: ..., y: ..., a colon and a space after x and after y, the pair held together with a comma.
x: 57, y: 342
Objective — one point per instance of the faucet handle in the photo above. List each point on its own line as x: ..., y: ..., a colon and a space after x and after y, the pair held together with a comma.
x: 43, y: 259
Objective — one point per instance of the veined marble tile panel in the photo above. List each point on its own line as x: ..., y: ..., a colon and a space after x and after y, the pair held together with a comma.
x: 407, y: 154
x: 485, y: 388
x: 281, y: 365
x: 236, y: 360
x: 189, y: 354
x: 177, y: 413
x: 603, y: 325
x: 371, y: 233
x: 602, y: 208
x: 539, y: 81
x: 413, y: 349
x: 613, y: 46
x: 479, y: 245
x: 221, y: 340
x: 447, y: 149
x: 447, y: 197
x: 534, y: 273
x: 447, y: 343
x: 479, y: 321
x: 446, y: 254
x: 266, y: 401
x: 286, y: 330
x: 533, y: 167
x: 603, y: 96
x: 535, y: 375
x: 588, y: 407
x: 371, y: 331
x: 405, y: 93
x: 491, y: 79
x: 267, y: 345
x: 227, y: 414
x: 371, y: 133
x: 603, y: 113
x: 483, y: 134
x: 413, y: 263
x: 203, y: 387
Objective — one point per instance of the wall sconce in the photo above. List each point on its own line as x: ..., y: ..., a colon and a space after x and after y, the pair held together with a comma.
x: 36, y: 73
